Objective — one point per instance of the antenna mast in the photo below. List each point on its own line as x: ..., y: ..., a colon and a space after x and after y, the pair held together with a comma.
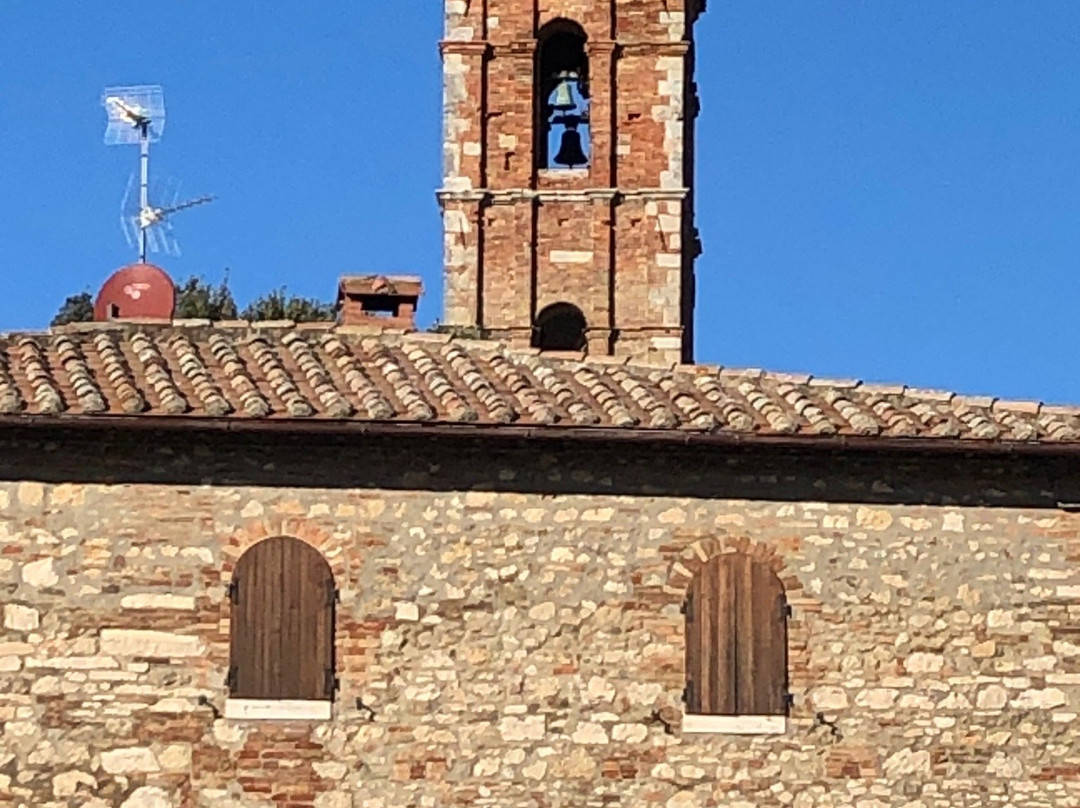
x: 137, y: 115
x: 144, y: 181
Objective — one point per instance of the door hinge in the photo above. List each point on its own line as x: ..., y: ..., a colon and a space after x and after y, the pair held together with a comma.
x: 786, y: 610
x: 686, y: 692
x: 332, y: 684
x: 333, y: 595
x: 230, y: 680
x: 234, y: 591
x: 687, y: 608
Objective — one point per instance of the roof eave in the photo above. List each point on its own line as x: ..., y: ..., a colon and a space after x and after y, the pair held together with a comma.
x: 563, y: 433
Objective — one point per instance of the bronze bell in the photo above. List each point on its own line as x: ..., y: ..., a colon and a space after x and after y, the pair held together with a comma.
x: 571, y: 152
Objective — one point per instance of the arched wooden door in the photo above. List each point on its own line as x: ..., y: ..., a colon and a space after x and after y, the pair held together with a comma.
x: 736, y: 639
x: 282, y: 644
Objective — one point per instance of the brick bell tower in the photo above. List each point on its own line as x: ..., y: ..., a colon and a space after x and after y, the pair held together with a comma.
x: 567, y: 199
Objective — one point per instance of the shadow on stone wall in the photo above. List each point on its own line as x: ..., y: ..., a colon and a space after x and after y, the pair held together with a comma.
x: 547, y: 467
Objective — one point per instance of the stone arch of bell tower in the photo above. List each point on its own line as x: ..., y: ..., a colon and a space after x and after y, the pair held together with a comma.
x: 614, y: 238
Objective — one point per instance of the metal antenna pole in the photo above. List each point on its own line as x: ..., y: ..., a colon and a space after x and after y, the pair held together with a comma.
x: 137, y: 116
x: 144, y: 184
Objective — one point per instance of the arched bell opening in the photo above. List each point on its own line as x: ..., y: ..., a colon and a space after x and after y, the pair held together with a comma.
x: 562, y: 88
x: 560, y: 327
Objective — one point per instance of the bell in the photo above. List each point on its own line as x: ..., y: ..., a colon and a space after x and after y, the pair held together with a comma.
x: 564, y: 94
x: 570, y: 151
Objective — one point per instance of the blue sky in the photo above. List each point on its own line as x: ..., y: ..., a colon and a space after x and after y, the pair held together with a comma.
x: 888, y: 189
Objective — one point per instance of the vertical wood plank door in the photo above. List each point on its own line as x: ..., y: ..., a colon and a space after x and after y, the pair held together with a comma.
x: 768, y: 643
x: 736, y: 639
x: 282, y: 643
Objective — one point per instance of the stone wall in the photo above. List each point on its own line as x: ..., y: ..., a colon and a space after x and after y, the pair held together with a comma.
x: 616, y: 240
x: 510, y: 633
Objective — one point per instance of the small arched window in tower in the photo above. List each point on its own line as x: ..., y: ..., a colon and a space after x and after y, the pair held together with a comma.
x: 560, y: 327
x: 563, y: 97
x: 736, y: 639
x: 282, y: 623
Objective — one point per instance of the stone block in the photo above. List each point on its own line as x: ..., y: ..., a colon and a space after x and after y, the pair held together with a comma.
x: 21, y: 618
x: 152, y: 644
x: 66, y: 784
x: 40, y: 573
x: 149, y: 797
x: 129, y: 760
x: 158, y: 601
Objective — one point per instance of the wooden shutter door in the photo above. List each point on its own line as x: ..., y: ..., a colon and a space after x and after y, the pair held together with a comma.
x: 282, y: 623
x: 710, y: 640
x: 736, y: 639
x: 764, y: 690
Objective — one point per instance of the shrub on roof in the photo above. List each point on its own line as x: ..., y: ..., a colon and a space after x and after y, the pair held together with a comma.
x: 76, y: 309
x: 279, y: 305
x: 197, y: 299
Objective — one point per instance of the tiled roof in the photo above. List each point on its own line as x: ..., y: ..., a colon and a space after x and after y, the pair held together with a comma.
x: 321, y: 373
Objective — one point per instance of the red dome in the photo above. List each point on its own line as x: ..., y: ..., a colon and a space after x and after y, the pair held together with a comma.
x: 139, y: 290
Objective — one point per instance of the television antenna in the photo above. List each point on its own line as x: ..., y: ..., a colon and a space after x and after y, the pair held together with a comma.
x: 137, y: 116
x: 148, y: 225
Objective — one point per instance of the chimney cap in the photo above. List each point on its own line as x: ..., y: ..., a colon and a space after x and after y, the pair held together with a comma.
x: 380, y: 286
x: 389, y: 301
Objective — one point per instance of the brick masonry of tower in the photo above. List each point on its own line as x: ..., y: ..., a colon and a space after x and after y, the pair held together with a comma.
x: 509, y: 630
x: 616, y: 240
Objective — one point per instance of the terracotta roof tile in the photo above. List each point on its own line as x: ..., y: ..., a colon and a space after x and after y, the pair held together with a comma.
x: 862, y: 422
x: 1028, y: 407
x: 897, y: 422
x: 317, y: 376
x: 530, y: 399
x: 777, y: 419
x: 604, y: 394
x: 195, y: 371
x: 236, y: 374
x: 438, y: 382
x: 35, y: 368
x: 366, y: 396
x: 117, y: 374
x: 659, y: 414
x: 731, y: 413
x: 279, y: 379
x: 281, y: 371
x: 693, y: 414
x: 406, y: 391
x: 563, y: 393
x: 78, y: 372
x: 498, y: 407
x: 11, y: 401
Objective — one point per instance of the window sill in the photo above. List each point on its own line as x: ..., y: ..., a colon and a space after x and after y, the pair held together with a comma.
x: 735, y: 724
x: 562, y: 173
x: 277, y: 710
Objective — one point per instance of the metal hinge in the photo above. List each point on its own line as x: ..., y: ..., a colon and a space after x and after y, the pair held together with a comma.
x: 687, y: 607
x: 686, y: 692
x: 234, y: 591
x: 230, y: 679
x: 787, y: 611
x: 333, y: 594
x: 332, y: 683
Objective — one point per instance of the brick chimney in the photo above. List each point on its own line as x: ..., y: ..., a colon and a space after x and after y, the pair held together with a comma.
x: 388, y: 301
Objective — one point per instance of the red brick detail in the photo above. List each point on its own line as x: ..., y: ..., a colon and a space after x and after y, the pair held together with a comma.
x: 557, y: 236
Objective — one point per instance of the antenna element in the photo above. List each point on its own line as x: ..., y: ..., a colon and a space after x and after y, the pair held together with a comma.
x: 137, y: 115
